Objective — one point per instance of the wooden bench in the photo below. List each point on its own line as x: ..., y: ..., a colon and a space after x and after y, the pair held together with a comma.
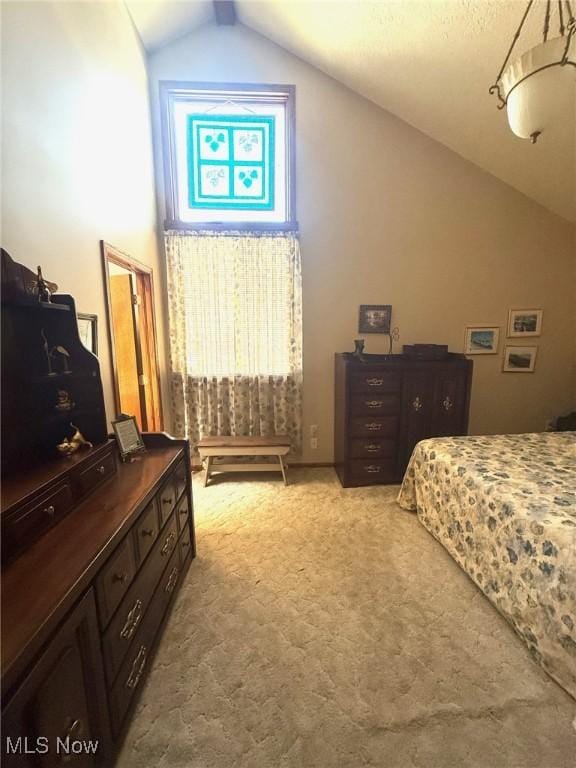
x: 226, y: 445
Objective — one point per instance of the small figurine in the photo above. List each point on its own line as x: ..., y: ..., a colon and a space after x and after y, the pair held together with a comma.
x: 75, y: 443
x: 359, y: 350
x: 64, y: 401
x: 47, y: 353
x: 42, y: 287
x: 51, y: 355
x: 65, y: 355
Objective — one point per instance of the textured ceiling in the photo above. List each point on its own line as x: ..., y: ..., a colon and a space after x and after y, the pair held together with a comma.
x: 428, y: 62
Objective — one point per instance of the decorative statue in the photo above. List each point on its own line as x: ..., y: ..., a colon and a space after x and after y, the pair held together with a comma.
x: 64, y: 401
x: 75, y: 443
x: 51, y: 355
x: 44, y: 293
x: 65, y: 355
x: 359, y: 349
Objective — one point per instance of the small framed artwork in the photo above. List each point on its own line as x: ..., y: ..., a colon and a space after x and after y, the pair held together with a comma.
x: 128, y: 436
x: 88, y: 330
x: 374, y: 318
x: 481, y: 340
x: 519, y: 359
x: 525, y: 322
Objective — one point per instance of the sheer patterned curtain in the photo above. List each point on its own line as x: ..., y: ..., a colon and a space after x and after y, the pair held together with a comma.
x: 235, y: 314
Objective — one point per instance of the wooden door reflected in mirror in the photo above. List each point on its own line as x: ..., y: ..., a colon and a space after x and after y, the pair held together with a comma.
x: 132, y: 332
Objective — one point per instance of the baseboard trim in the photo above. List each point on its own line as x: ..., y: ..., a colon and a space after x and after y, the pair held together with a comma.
x: 311, y: 465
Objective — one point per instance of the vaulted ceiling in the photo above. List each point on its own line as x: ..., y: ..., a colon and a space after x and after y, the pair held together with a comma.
x: 429, y: 62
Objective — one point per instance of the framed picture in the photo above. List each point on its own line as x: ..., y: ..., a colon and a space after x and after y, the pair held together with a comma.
x: 525, y: 322
x: 481, y: 340
x: 128, y: 436
x: 88, y: 330
x: 519, y: 359
x: 374, y: 318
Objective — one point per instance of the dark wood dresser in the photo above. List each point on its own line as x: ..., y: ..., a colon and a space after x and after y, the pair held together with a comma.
x: 388, y: 403
x: 84, y: 605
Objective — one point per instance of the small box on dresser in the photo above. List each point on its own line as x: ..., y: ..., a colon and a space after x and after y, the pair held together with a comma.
x: 385, y: 404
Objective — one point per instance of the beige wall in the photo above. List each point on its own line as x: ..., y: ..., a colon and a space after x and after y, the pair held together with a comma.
x: 389, y: 216
x: 76, y: 153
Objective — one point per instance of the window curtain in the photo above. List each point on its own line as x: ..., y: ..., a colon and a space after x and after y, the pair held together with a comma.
x: 235, y: 316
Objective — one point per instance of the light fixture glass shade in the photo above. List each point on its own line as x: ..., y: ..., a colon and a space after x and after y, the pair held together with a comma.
x: 540, y: 91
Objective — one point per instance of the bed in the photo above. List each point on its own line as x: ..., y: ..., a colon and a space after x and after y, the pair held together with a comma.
x: 505, y: 509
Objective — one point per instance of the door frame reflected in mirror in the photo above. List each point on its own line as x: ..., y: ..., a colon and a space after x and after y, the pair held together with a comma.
x: 150, y: 418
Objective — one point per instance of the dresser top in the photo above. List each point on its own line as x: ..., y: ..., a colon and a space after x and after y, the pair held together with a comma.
x: 396, y: 361
x: 43, y: 583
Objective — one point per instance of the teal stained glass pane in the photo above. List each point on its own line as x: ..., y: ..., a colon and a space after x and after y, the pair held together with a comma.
x: 231, y: 162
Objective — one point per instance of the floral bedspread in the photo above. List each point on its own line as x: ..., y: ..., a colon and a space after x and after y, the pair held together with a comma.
x: 505, y: 508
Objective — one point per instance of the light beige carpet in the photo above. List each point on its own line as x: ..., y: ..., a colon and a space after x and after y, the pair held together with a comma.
x: 321, y: 628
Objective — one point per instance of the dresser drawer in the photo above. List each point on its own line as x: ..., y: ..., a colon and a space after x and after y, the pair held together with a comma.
x: 184, y: 544
x: 377, y: 426
x: 146, y: 531
x: 374, y: 404
x: 115, y: 578
x: 180, y: 479
x: 377, y: 448
x: 376, y: 382
x: 374, y: 470
x: 166, y: 499
x: 182, y: 513
x: 120, y: 633
x: 28, y: 523
x: 96, y: 473
x: 132, y: 671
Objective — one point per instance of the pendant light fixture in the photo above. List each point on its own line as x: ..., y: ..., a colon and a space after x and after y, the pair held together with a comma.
x: 539, y: 88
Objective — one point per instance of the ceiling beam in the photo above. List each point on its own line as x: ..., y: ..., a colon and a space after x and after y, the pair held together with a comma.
x: 225, y: 12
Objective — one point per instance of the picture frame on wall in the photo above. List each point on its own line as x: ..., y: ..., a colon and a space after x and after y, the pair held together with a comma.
x: 525, y: 322
x: 481, y: 339
x: 519, y: 359
x: 88, y: 331
x: 374, y: 318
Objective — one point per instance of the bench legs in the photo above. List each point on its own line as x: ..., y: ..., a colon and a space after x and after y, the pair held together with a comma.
x: 207, y: 475
x: 283, y: 468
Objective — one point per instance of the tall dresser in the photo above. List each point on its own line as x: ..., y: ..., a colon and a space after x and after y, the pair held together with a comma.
x: 388, y: 403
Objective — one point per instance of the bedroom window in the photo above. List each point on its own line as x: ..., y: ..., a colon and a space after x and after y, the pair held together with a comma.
x: 228, y: 156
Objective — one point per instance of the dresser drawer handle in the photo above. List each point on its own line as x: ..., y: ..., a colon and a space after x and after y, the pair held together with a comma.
x: 373, y: 468
x: 137, y: 668
x: 147, y: 532
x: 172, y: 581
x: 372, y: 447
x: 119, y: 577
x: 447, y: 403
x: 101, y: 469
x: 167, y: 500
x: 374, y: 403
x: 374, y: 382
x: 132, y: 621
x: 373, y: 426
x: 49, y: 510
x: 167, y: 547
x: 74, y: 730
x: 417, y: 404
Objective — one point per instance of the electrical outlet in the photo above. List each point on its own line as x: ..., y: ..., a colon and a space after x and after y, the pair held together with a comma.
x: 313, y: 430
x: 314, y: 443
